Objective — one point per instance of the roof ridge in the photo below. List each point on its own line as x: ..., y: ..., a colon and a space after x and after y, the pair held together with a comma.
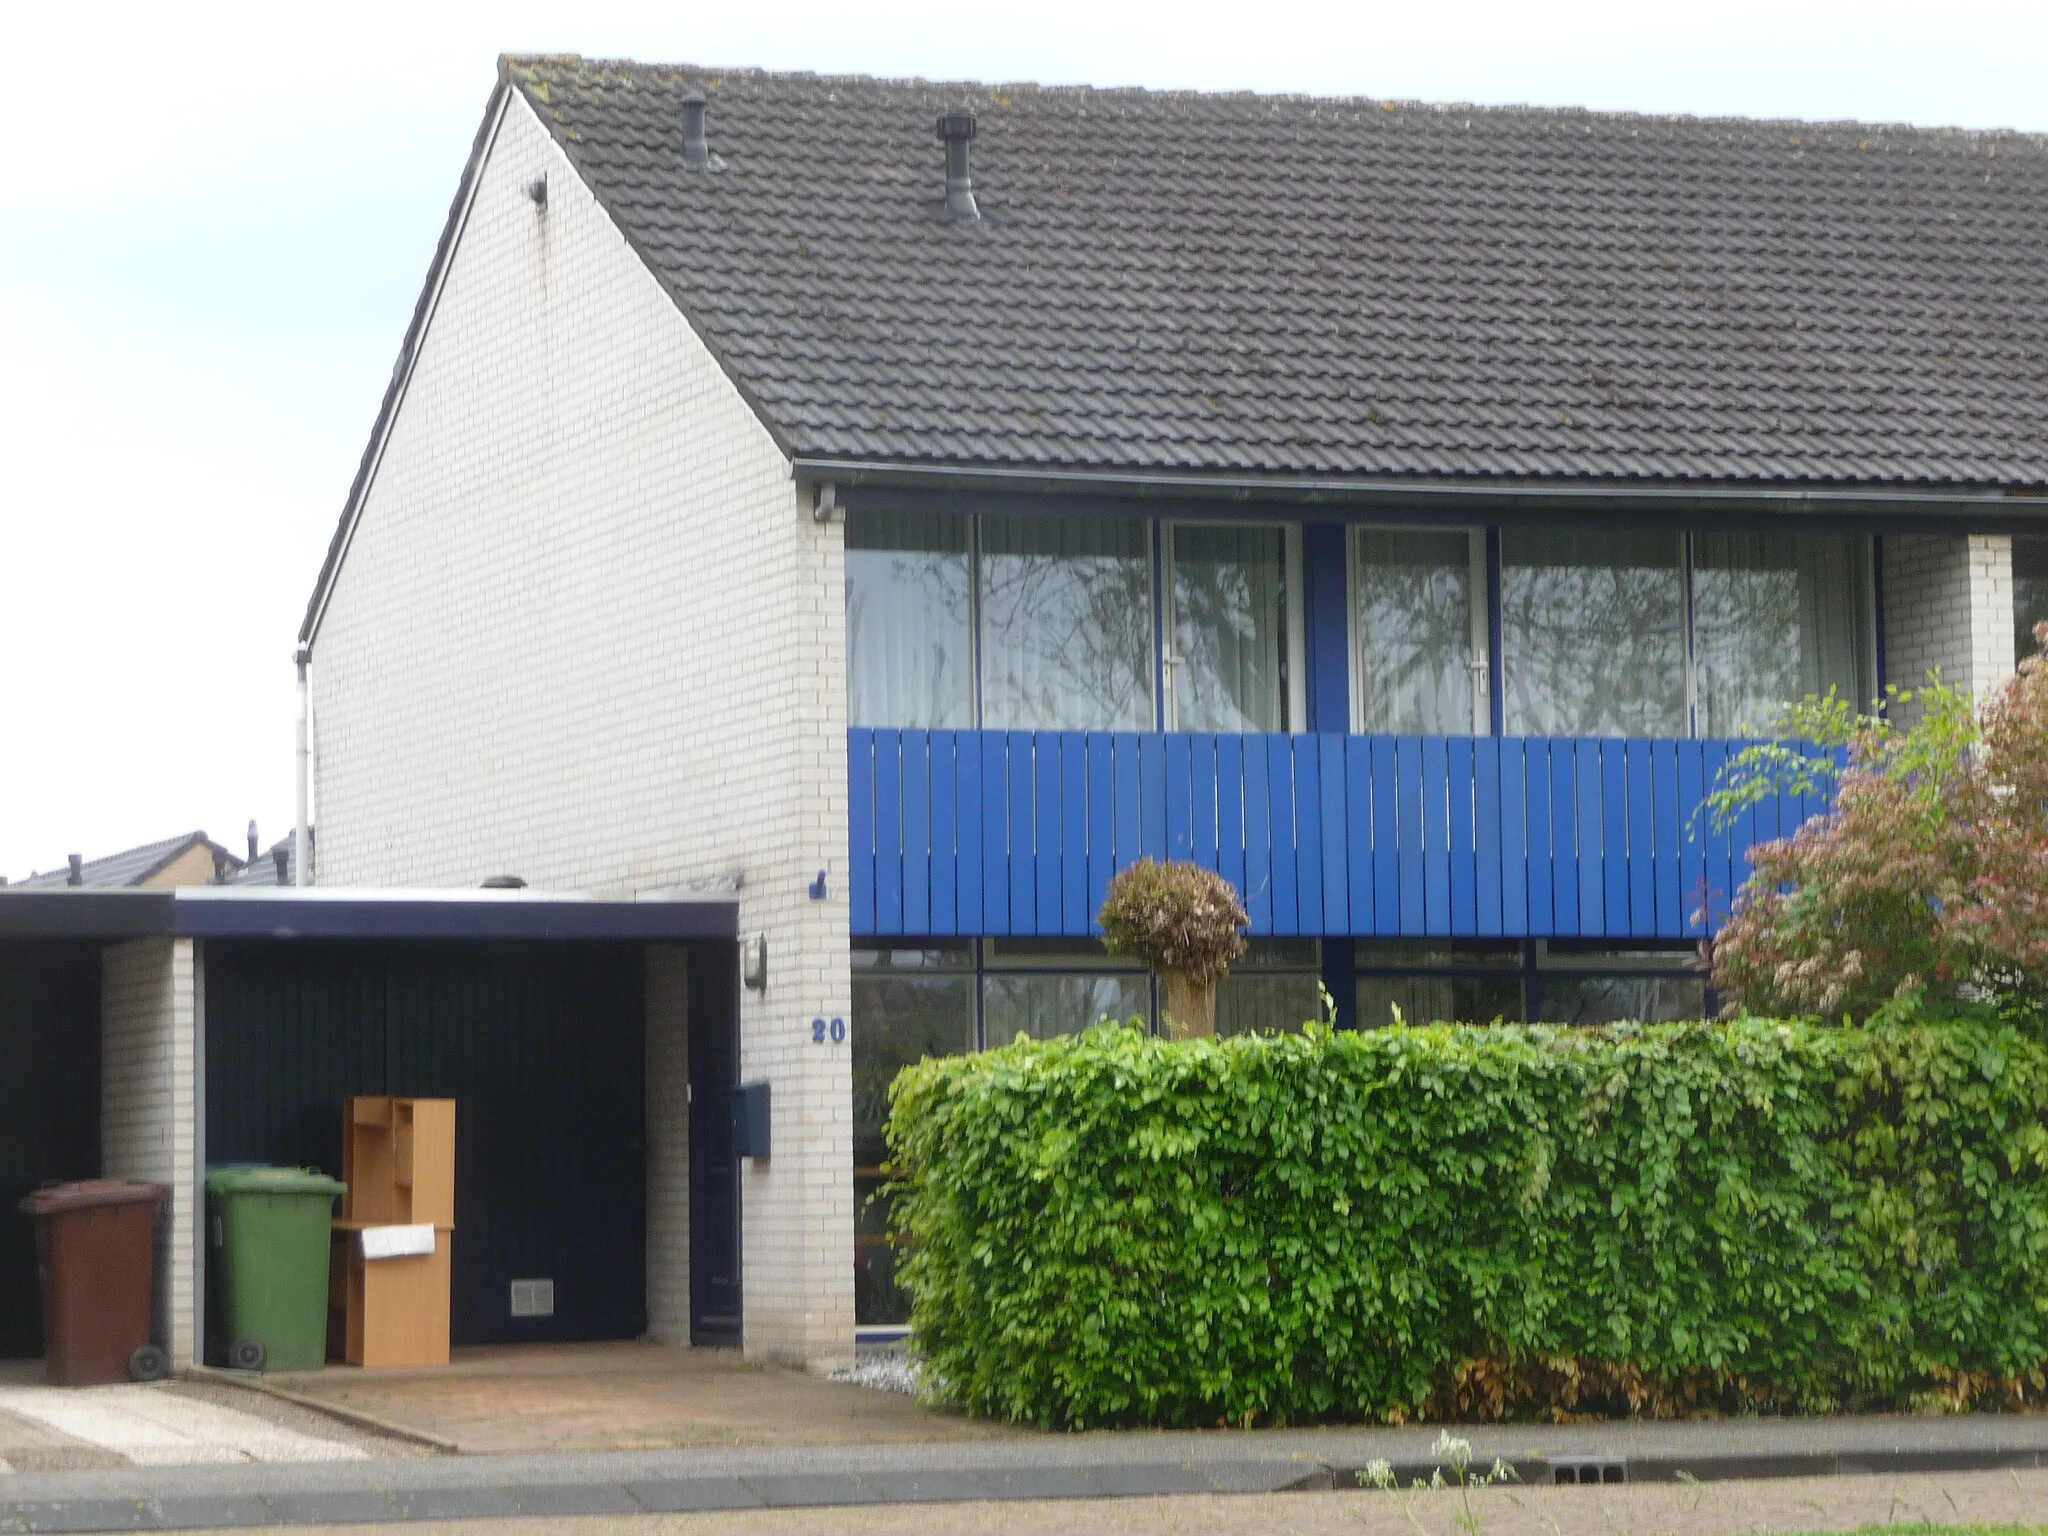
x: 513, y: 62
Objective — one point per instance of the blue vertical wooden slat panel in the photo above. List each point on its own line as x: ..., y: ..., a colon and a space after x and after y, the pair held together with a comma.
x: 1023, y: 837
x: 1284, y: 831
x: 1742, y: 836
x: 1336, y: 841
x: 1436, y: 837
x: 1542, y: 840
x: 1308, y: 832
x: 970, y: 812
x: 1230, y: 833
x: 1180, y: 809
x: 1130, y: 801
x: 917, y: 832
x: 1714, y: 860
x: 1514, y: 837
x: 1667, y: 831
x: 1642, y: 840
x: 860, y: 828
x: 1075, y: 913
x: 1049, y: 892
x: 1258, y: 834
x: 1692, y: 831
x: 1386, y: 836
x: 1358, y: 826
x: 1464, y: 871
x: 1202, y: 802
x: 888, y: 832
x: 1100, y: 750
x: 945, y: 857
x: 1487, y: 830
x: 1763, y: 827
x: 1566, y: 847
x: 1598, y: 832
x: 995, y: 834
x: 1408, y: 833
x: 1152, y: 795
x: 1612, y: 789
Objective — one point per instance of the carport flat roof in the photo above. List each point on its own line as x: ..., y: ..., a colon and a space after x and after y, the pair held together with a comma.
x: 241, y: 912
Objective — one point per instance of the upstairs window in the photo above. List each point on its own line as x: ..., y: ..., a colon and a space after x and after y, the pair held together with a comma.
x: 2029, y: 592
x: 1066, y: 624
x: 1419, y: 620
x: 1593, y: 633
x: 1776, y: 617
x: 909, y: 624
x: 1226, y: 666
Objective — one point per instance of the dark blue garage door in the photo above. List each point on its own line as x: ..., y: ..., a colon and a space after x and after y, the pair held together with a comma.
x: 541, y: 1047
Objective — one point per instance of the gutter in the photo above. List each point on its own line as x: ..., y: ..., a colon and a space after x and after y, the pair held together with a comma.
x: 876, y: 484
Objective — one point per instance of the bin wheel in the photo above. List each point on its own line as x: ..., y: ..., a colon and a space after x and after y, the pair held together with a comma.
x: 149, y: 1363
x: 247, y: 1355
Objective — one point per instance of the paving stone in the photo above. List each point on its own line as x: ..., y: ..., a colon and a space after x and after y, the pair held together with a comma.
x: 563, y: 1499
x: 799, y: 1490
x: 340, y: 1506
x: 1139, y: 1479
x: 937, y: 1487
x: 479, y: 1503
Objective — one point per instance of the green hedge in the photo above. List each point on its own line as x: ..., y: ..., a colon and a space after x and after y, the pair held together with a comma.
x: 1113, y: 1229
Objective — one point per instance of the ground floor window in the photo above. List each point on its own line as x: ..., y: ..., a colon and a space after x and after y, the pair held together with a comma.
x: 1426, y: 981
x: 2029, y: 592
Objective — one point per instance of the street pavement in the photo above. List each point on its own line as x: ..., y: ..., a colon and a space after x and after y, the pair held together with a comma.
x: 1028, y: 1472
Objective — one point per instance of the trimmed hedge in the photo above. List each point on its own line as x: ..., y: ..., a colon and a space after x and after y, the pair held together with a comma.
x: 1113, y: 1229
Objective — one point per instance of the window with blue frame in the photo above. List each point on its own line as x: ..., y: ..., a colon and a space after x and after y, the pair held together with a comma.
x: 1466, y: 981
x: 2029, y: 591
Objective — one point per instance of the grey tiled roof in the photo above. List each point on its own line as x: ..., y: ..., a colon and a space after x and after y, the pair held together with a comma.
x: 129, y: 867
x: 1241, y: 283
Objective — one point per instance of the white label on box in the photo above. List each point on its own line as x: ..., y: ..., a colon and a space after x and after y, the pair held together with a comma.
x: 398, y: 1242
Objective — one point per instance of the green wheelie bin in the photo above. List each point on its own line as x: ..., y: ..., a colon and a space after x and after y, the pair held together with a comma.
x: 271, y: 1231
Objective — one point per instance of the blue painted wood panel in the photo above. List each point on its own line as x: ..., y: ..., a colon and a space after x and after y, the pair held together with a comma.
x: 1019, y: 833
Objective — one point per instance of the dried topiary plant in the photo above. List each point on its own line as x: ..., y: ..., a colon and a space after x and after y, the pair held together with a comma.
x: 1187, y: 924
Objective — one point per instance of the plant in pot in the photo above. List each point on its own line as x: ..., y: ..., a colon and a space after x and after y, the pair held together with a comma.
x: 1187, y: 924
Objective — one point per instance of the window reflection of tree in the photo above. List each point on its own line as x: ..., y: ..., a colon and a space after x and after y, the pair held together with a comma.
x: 1227, y: 613
x: 907, y: 633
x: 1415, y: 630
x: 898, y: 1020
x: 1595, y: 650
x: 1067, y: 637
x: 1747, y: 645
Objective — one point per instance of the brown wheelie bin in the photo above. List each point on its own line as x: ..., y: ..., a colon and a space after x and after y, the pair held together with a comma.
x: 96, y: 1256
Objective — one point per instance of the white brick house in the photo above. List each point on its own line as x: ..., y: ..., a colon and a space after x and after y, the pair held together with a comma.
x: 585, y: 619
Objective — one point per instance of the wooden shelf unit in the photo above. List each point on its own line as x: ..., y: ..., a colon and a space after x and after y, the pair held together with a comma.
x: 398, y: 1158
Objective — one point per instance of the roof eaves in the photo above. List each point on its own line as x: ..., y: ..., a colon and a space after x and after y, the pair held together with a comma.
x: 886, y: 480
x: 408, y: 355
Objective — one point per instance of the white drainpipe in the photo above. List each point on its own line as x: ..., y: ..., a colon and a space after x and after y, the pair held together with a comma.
x: 301, y: 874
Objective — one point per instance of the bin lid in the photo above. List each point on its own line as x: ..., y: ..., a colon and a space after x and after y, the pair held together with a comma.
x: 83, y: 1194
x: 273, y: 1181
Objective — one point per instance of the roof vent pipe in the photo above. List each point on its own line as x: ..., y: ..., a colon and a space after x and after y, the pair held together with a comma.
x: 77, y: 875
x: 696, y: 150
x: 956, y: 132
x: 281, y: 862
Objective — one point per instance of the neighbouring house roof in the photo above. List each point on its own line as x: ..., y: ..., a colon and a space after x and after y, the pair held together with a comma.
x: 274, y: 865
x: 1177, y: 281
x: 136, y: 866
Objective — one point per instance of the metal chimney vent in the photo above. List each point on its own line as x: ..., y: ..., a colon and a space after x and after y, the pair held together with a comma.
x: 696, y: 147
x: 956, y: 132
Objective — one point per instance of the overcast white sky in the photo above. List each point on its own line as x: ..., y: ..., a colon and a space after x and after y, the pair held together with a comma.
x: 217, y: 218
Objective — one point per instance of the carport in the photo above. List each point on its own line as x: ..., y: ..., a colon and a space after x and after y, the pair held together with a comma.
x: 150, y: 1034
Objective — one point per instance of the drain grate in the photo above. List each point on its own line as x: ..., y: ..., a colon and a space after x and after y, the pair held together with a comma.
x: 1588, y: 1469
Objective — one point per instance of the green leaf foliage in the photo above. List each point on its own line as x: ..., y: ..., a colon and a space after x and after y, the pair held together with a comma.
x: 1113, y: 1229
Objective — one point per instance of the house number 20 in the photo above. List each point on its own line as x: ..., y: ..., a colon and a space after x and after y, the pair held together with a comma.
x: 822, y: 1031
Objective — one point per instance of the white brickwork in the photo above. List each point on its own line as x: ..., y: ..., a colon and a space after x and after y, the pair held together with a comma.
x: 1948, y: 608
x: 668, y: 1143
x: 148, y: 1130
x: 588, y: 632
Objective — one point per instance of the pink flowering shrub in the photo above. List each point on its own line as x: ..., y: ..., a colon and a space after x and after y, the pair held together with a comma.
x: 1928, y: 880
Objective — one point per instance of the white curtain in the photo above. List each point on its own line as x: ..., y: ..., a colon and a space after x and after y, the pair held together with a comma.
x: 1414, y: 596
x: 1066, y: 624
x: 909, y: 637
x: 1776, y: 617
x: 1593, y: 633
x: 1229, y: 621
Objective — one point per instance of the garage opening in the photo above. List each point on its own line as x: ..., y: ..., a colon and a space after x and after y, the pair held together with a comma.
x: 49, y: 1105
